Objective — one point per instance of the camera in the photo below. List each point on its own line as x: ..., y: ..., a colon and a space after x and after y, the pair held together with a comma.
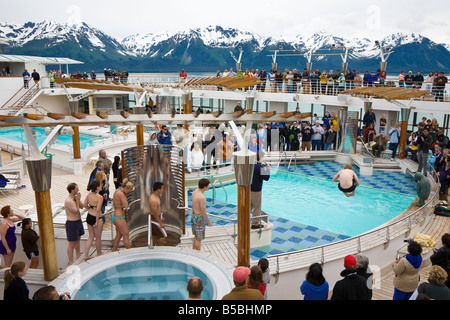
x: 407, y: 240
x: 64, y: 296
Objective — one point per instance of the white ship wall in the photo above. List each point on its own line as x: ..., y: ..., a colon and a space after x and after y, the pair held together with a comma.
x: 8, y: 87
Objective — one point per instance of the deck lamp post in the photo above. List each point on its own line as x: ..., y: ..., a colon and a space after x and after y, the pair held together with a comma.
x: 238, y: 61
x: 244, y: 162
x: 384, y: 54
x: 40, y: 172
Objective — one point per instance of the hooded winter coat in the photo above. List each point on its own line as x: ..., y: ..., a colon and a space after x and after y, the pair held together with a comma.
x: 406, y: 272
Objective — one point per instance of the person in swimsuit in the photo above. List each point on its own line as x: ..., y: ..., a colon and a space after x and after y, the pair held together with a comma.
x: 93, y: 202
x: 7, y: 233
x: 118, y: 218
x: 199, y: 215
x: 100, y: 176
x: 159, y: 233
x: 348, y: 180
x: 74, y: 225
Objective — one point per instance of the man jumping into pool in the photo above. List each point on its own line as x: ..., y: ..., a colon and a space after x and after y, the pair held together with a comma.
x: 348, y: 180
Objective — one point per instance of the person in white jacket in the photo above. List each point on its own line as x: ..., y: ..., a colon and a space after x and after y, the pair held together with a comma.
x: 182, y: 140
x: 196, y: 158
x: 428, y: 82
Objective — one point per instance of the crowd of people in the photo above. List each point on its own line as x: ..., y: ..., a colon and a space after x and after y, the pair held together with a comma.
x: 428, y: 145
x: 214, y: 146
x: 294, y: 81
x: 333, y: 82
x: 357, y: 278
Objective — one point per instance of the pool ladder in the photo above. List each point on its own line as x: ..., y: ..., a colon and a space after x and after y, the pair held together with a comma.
x: 294, y: 156
x: 214, y: 190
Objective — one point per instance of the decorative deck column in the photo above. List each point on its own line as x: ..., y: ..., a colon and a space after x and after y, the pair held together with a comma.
x: 249, y: 104
x: 405, y: 112
x: 76, y: 142
x: 140, y: 134
x: 187, y: 105
x: 40, y: 171
x: 244, y: 162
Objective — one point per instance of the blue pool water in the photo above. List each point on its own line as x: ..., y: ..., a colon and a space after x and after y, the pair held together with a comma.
x: 16, y: 134
x: 309, y: 196
x: 151, y: 279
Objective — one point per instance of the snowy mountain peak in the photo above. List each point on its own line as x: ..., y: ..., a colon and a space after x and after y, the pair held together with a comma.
x: 212, y: 44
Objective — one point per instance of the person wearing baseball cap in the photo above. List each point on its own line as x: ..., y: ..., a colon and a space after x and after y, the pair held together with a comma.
x: 353, y: 286
x: 241, y: 291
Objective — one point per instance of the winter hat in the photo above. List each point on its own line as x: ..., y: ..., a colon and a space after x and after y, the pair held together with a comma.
x: 350, y: 262
x: 241, y: 274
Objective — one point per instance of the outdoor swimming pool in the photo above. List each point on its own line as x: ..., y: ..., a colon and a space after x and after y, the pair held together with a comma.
x: 309, y: 196
x: 16, y: 134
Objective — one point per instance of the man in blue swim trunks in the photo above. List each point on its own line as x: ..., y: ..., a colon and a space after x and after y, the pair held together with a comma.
x: 74, y: 225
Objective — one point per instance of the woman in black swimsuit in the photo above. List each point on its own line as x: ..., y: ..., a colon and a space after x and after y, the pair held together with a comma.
x: 93, y: 202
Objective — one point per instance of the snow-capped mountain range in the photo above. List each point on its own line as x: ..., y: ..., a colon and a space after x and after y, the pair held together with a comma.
x: 202, y: 47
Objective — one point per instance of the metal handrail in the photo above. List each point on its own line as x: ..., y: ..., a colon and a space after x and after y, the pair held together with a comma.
x: 366, y: 150
x: 294, y: 156
x: 214, y: 190
x: 36, y: 85
x: 233, y: 220
x: 346, y: 243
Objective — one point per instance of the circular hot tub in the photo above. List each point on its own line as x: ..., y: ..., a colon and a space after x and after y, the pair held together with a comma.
x: 144, y: 274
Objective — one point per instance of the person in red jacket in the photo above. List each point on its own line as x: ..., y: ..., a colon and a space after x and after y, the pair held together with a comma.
x: 183, y: 74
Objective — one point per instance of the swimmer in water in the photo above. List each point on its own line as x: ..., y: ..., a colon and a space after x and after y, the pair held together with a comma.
x: 348, y: 180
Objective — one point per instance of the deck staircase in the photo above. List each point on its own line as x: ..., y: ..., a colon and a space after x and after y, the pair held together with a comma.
x: 22, y: 98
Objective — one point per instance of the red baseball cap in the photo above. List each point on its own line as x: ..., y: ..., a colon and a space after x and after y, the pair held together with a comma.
x: 350, y: 262
x: 241, y: 274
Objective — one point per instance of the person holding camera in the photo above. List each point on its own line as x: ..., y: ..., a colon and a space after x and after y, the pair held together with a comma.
x: 49, y: 293
x: 406, y: 271
x: 423, y: 145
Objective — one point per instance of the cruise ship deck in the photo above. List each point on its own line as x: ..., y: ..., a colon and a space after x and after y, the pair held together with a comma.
x: 219, y: 243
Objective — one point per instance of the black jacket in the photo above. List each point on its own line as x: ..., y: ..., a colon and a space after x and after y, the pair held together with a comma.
x: 17, y: 290
x: 352, y: 287
x: 424, y: 144
x: 442, y: 258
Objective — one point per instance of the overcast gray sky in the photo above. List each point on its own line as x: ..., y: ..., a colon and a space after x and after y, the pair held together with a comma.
x: 120, y: 18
